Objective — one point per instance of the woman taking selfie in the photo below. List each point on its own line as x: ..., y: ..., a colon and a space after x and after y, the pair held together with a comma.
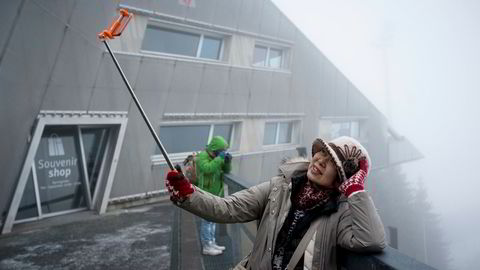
x: 305, y: 212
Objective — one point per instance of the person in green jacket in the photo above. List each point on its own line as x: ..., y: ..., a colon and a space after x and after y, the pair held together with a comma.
x: 211, y: 164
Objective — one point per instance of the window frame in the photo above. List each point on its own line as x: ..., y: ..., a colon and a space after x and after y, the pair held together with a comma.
x: 349, y: 122
x: 325, y: 126
x: 189, y: 30
x: 294, y: 127
x: 283, y: 50
x: 233, y: 145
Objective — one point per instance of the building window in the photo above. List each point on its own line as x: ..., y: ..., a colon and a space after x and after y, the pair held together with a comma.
x: 349, y: 128
x: 277, y: 133
x: 190, y: 138
x: 265, y: 56
x: 171, y: 41
x: 210, y: 48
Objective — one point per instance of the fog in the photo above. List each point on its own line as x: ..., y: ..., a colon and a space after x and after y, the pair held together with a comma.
x: 419, y: 63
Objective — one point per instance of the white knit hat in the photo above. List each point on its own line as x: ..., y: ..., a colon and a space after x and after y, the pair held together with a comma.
x: 346, y: 153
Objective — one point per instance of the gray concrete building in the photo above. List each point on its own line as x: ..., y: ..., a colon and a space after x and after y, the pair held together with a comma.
x: 73, y: 140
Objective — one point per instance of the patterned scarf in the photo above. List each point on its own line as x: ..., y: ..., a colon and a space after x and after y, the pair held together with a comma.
x: 309, y: 196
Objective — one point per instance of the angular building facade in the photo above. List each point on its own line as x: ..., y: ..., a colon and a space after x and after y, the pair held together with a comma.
x: 73, y: 140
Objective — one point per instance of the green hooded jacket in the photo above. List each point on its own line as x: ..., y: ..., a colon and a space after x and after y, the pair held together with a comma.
x: 210, y: 170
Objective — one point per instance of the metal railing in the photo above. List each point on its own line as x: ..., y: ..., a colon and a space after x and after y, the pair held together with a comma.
x: 390, y: 258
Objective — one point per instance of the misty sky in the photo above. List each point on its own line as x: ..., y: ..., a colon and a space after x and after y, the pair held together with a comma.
x: 419, y: 63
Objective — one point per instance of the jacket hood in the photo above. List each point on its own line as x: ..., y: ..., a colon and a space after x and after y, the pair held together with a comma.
x: 217, y: 143
x: 293, y: 165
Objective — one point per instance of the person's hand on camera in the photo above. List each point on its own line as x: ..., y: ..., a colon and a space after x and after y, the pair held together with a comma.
x: 221, y: 153
x: 178, y: 186
x: 357, y: 181
x: 228, y: 157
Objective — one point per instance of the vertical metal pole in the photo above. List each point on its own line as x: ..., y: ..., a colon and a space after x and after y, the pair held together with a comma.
x: 83, y: 161
x: 37, y: 191
x: 425, y: 254
x: 139, y: 106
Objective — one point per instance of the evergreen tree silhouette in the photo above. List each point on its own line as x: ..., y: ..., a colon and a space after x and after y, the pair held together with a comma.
x: 435, y: 249
x: 406, y: 208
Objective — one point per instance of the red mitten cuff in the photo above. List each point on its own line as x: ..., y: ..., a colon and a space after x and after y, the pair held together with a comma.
x: 353, y: 188
x: 354, y: 183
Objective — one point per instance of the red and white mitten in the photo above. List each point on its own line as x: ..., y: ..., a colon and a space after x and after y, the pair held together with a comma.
x: 357, y: 181
x: 178, y: 186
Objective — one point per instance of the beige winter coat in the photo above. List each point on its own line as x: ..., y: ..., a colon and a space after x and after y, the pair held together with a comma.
x: 355, y: 226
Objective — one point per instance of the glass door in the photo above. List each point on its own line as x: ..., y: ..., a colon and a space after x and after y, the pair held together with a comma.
x: 67, y: 168
x: 58, y: 170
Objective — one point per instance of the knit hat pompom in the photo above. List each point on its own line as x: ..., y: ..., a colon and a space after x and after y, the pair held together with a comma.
x: 350, y: 166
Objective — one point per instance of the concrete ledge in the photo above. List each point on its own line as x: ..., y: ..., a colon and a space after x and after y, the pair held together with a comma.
x: 137, y: 200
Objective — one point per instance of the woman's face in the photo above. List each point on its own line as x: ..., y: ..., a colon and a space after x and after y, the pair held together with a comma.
x: 321, y: 170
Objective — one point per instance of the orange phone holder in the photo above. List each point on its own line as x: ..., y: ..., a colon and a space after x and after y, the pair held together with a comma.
x: 117, y: 26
